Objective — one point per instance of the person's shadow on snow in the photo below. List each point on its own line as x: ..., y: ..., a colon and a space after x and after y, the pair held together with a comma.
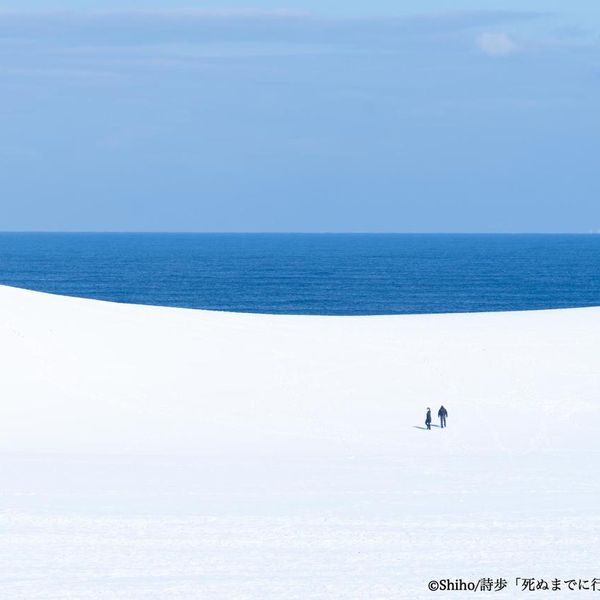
x: 425, y: 428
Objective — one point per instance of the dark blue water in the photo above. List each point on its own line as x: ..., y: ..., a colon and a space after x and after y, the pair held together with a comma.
x: 311, y: 274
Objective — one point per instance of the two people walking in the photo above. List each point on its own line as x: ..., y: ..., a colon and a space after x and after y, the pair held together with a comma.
x: 442, y: 414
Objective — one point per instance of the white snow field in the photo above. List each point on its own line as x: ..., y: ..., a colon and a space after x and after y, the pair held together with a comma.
x: 159, y: 453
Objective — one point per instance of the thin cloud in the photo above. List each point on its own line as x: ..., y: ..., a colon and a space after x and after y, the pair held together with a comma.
x: 496, y: 44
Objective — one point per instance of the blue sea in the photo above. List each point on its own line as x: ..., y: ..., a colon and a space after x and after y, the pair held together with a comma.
x: 326, y: 274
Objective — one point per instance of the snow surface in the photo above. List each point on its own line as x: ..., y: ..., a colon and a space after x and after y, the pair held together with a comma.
x: 159, y: 453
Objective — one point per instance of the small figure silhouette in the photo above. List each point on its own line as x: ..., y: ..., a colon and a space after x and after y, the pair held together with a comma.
x: 428, y: 418
x: 442, y: 414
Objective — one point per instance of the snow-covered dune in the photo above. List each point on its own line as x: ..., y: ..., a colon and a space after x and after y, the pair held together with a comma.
x: 165, y: 453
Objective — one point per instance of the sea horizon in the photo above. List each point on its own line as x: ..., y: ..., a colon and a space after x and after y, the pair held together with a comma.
x: 406, y: 233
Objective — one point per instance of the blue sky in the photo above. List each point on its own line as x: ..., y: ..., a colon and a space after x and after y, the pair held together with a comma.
x: 300, y: 116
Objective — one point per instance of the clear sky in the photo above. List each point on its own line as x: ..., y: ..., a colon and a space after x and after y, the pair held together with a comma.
x: 300, y: 115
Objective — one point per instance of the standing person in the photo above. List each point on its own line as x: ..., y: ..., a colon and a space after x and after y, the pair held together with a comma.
x: 442, y: 414
x: 428, y: 418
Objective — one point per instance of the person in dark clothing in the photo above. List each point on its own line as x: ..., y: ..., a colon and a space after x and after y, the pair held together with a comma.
x: 442, y: 414
x: 428, y: 418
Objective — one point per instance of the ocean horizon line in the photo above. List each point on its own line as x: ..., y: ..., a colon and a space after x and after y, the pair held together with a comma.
x: 315, y: 233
